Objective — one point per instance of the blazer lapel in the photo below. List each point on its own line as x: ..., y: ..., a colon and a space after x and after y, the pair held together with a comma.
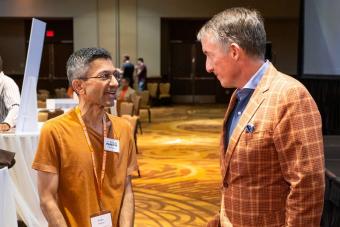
x: 254, y: 103
x: 226, y: 116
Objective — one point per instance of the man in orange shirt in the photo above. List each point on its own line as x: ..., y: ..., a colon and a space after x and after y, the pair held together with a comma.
x: 271, y: 149
x: 85, y: 157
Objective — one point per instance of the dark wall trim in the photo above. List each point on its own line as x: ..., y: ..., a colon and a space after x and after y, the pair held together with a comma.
x: 301, y: 37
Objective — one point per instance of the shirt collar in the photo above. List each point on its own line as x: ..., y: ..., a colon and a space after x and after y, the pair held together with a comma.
x: 255, y: 79
x: 253, y: 82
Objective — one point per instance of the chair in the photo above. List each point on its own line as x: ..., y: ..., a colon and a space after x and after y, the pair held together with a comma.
x: 153, y: 89
x: 126, y: 111
x: 42, y: 116
x: 43, y: 91
x: 125, y: 108
x: 60, y: 93
x: 50, y: 113
x: 130, y: 111
x: 164, y: 91
x: 133, y: 123
x: 136, y: 100
x: 41, y: 104
x: 144, y: 103
x: 43, y: 94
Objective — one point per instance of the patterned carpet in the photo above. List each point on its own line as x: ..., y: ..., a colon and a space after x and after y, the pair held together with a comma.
x: 179, y: 165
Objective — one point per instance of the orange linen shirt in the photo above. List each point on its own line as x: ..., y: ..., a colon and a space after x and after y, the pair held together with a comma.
x: 63, y: 150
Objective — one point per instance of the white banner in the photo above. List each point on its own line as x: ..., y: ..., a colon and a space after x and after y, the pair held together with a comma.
x: 28, y: 112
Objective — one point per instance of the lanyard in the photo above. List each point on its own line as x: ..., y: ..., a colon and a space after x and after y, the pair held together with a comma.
x: 98, y: 181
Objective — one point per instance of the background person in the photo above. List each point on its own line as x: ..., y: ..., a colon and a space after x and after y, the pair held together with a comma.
x: 125, y: 92
x: 9, y: 101
x: 128, y: 69
x: 141, y: 74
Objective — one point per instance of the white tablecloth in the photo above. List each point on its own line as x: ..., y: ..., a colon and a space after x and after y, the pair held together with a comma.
x: 24, y: 177
x: 61, y: 103
x: 8, y: 217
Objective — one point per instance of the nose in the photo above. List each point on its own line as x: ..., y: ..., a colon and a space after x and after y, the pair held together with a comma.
x: 208, y: 66
x: 114, y: 81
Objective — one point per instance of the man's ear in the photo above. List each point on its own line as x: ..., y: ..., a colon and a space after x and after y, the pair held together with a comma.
x: 235, y: 51
x: 78, y: 86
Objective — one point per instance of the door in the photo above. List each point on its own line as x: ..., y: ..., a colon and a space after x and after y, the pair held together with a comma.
x: 183, y: 63
x: 190, y: 81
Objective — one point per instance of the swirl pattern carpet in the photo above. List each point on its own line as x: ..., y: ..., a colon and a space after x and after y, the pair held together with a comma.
x: 179, y: 164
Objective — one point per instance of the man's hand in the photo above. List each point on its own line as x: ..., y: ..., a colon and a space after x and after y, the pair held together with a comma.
x: 4, y: 127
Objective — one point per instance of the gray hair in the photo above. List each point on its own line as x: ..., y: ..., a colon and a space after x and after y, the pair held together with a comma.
x: 78, y: 63
x: 239, y: 25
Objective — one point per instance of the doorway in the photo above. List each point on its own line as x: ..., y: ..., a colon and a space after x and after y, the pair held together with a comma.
x: 58, y: 46
x: 183, y: 63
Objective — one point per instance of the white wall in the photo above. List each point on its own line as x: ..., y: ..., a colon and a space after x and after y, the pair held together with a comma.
x: 128, y: 29
x: 108, y: 27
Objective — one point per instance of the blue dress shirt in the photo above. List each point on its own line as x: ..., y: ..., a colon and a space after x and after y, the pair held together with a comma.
x: 242, y: 98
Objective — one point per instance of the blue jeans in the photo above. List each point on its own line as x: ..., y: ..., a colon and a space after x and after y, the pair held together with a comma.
x: 141, y: 85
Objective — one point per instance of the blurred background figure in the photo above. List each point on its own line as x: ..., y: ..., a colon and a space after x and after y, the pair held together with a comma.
x: 125, y: 92
x: 9, y: 101
x: 128, y: 69
x: 141, y: 74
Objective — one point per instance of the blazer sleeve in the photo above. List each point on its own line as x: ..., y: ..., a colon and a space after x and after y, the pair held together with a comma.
x: 299, y: 143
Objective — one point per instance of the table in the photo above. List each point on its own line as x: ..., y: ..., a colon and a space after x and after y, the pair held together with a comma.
x: 61, y: 103
x: 24, y: 177
x: 8, y: 217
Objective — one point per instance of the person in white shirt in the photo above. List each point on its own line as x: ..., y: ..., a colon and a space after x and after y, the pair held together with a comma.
x: 9, y: 101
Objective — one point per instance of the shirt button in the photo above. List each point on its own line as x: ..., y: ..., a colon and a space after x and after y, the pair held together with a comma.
x: 239, y: 113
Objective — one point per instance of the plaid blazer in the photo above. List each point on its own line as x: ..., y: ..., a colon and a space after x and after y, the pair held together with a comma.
x: 273, y: 167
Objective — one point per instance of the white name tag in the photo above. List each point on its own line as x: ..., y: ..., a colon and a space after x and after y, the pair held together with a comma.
x: 102, y: 220
x: 111, y: 145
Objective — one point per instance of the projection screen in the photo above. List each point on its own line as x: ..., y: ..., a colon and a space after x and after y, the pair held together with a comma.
x: 321, y: 38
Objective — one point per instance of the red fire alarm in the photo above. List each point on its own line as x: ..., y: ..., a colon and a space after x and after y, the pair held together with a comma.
x: 49, y: 33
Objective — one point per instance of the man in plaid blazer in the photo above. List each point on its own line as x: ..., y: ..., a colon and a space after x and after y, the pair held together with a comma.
x: 272, y: 161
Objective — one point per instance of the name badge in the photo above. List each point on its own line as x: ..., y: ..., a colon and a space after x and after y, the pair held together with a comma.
x: 102, y: 219
x: 111, y: 145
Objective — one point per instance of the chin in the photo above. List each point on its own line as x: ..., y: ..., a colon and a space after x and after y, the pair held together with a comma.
x: 227, y: 84
x: 224, y: 85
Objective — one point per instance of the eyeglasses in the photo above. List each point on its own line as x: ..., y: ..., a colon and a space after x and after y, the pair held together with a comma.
x: 104, y: 76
